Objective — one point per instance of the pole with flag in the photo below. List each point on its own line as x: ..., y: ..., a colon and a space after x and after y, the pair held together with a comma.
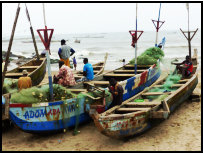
x: 188, y: 38
x: 46, y: 41
x: 135, y: 37
x: 158, y: 25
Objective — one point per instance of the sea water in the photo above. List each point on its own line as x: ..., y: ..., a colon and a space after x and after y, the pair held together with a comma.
x: 94, y: 46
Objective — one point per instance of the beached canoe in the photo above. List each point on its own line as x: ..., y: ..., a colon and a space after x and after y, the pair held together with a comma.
x: 36, y: 70
x: 62, y: 114
x: 98, y: 69
x: 140, y: 112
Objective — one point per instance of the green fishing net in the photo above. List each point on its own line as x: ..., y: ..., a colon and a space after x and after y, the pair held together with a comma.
x: 41, y: 94
x: 149, y: 56
x: 10, y: 85
x: 166, y: 87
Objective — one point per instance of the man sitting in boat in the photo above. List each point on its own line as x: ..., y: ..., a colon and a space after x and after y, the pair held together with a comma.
x: 24, y: 81
x: 64, y: 53
x: 117, y: 92
x: 88, y: 72
x: 65, y: 76
x: 186, y: 69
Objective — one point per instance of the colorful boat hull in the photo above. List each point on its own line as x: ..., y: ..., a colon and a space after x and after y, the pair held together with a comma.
x: 54, y: 116
x: 131, y: 124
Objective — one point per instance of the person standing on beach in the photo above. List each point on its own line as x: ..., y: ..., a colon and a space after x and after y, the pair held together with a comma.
x: 88, y: 72
x: 117, y: 92
x: 64, y: 53
x: 74, y: 62
x: 24, y: 81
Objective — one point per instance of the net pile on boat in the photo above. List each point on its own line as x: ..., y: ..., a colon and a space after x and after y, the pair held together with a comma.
x: 10, y: 85
x: 149, y: 56
x: 166, y: 87
x: 41, y: 94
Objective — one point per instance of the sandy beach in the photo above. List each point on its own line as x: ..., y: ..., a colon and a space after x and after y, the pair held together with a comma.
x: 182, y: 131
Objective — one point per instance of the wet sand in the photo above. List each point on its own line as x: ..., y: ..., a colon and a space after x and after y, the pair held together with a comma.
x: 181, y: 132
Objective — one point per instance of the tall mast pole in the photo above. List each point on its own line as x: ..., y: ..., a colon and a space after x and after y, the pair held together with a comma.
x: 188, y: 38
x: 135, y: 37
x: 46, y: 42
x: 10, y: 45
x: 136, y: 44
x: 32, y: 33
x: 158, y: 25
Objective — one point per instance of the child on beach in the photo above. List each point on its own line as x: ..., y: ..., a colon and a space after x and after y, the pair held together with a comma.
x: 74, y: 62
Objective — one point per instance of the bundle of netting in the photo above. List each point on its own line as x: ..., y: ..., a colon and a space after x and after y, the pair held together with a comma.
x: 149, y: 56
x: 166, y: 87
x: 10, y: 85
x: 41, y: 94
x: 88, y: 100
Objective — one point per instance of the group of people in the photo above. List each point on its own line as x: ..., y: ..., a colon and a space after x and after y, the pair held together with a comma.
x: 65, y: 76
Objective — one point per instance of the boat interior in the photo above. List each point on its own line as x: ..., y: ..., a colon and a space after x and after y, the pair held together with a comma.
x: 30, y: 66
x: 147, y: 100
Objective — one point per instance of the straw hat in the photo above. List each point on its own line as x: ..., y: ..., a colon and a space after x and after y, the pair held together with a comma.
x: 25, y: 72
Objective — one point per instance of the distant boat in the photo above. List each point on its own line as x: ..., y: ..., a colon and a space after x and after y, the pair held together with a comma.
x: 77, y: 41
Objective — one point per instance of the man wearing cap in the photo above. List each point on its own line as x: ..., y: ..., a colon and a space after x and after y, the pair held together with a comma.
x: 24, y: 81
x: 64, y: 53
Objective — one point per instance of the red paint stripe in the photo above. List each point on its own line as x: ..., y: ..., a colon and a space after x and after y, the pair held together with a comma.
x: 20, y: 105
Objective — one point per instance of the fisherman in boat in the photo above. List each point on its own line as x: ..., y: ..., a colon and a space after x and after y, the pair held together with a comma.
x: 24, y: 81
x: 116, y: 91
x: 65, y: 76
x: 64, y: 53
x: 186, y: 69
x: 88, y: 72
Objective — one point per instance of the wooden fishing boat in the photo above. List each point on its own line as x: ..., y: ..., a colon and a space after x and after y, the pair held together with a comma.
x: 59, y: 115
x: 98, y: 69
x: 36, y: 70
x: 132, y: 118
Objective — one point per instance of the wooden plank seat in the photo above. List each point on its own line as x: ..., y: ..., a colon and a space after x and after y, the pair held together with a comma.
x: 174, y: 85
x: 28, y: 67
x: 78, y: 90
x: 184, y: 80
x: 14, y: 74
x: 155, y: 93
x: 118, y: 75
x: 100, y: 82
x: 128, y: 65
x: 143, y: 103
x: 128, y: 71
x: 132, y: 109
x: 97, y: 66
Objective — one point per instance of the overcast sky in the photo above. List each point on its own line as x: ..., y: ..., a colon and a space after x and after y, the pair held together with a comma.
x: 99, y: 17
